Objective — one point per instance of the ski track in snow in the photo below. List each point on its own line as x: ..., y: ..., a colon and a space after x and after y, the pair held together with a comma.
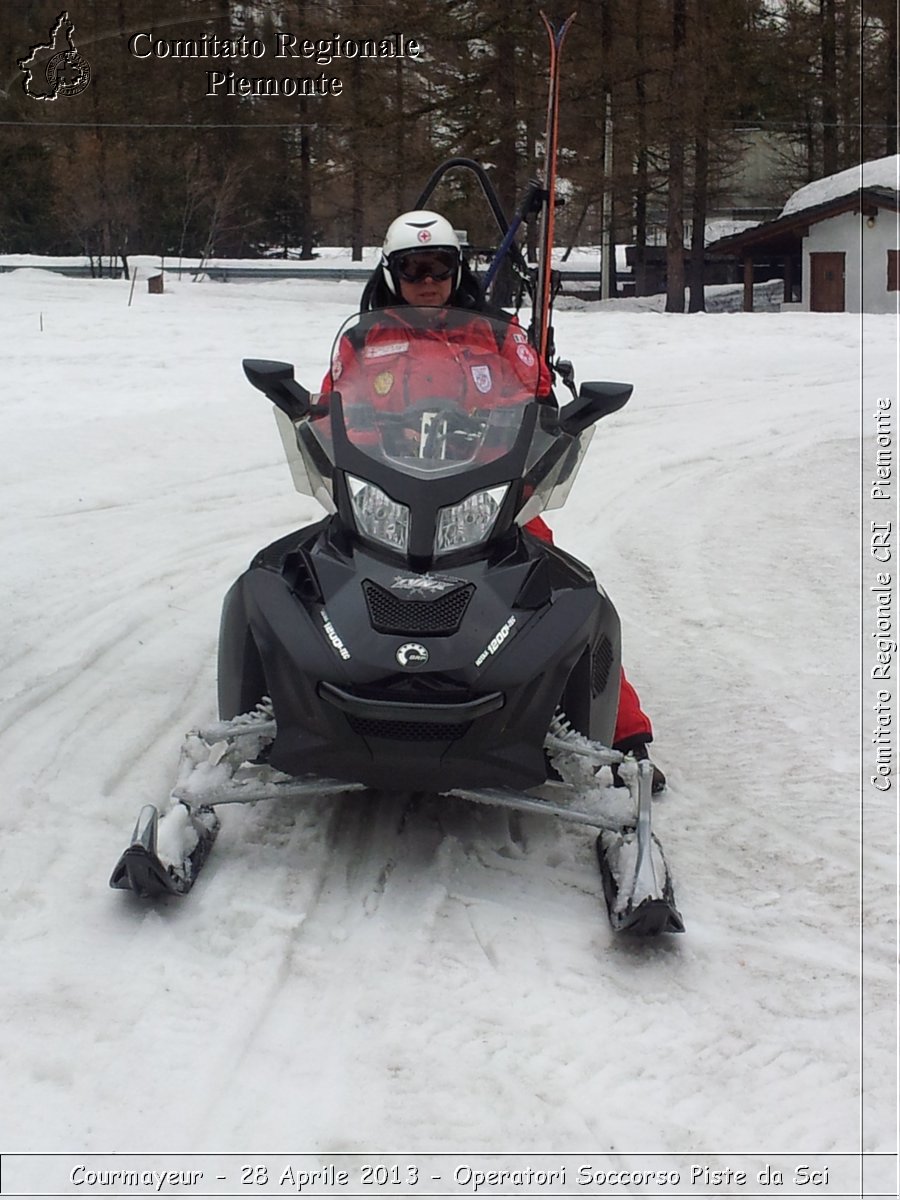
x: 379, y: 970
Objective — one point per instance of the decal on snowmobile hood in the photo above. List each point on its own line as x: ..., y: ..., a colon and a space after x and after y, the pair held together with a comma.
x: 421, y: 586
x: 496, y: 641
x: 412, y: 654
x: 332, y: 636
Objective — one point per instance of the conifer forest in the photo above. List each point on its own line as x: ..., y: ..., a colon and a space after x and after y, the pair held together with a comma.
x: 212, y: 127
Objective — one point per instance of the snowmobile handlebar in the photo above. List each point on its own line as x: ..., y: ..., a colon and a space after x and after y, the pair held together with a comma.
x: 594, y: 402
x: 276, y: 381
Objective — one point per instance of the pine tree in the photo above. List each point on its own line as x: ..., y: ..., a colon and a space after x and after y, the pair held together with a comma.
x: 675, y: 180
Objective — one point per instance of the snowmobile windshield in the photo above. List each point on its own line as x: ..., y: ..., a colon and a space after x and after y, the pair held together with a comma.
x: 433, y: 392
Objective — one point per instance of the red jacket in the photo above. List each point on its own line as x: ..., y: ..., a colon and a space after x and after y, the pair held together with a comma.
x: 399, y: 378
x: 382, y: 350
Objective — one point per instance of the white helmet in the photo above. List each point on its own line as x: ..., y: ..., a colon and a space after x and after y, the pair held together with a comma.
x: 417, y: 230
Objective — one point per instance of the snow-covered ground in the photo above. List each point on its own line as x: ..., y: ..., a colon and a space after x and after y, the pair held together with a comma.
x: 334, y: 983
x: 579, y: 258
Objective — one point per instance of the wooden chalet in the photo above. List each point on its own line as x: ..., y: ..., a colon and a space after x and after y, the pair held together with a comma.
x: 839, y: 255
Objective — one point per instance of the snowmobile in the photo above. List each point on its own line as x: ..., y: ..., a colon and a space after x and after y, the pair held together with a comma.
x: 417, y: 638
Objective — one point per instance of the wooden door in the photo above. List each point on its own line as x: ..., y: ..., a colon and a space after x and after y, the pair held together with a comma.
x: 826, y: 282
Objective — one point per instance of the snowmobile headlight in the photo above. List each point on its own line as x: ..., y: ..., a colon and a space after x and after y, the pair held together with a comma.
x: 378, y: 516
x: 469, y: 522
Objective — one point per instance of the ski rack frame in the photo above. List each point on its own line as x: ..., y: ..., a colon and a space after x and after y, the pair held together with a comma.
x: 508, y: 246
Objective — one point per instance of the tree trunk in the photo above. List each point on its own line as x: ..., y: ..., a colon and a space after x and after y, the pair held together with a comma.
x: 304, y: 173
x: 304, y: 188
x: 531, y: 136
x: 357, y: 186
x: 608, y: 232
x: 892, y: 113
x: 505, y: 151
x: 850, y: 118
x: 675, y: 199
x: 399, y: 171
x: 698, y: 233
x: 703, y: 94
x: 829, y: 87
x: 642, y: 186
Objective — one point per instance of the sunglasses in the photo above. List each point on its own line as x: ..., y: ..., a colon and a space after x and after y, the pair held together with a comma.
x: 416, y: 268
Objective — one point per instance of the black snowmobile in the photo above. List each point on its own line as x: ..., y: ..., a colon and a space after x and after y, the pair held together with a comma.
x: 417, y: 639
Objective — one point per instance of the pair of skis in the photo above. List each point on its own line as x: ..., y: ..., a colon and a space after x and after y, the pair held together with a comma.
x: 539, y: 199
x: 543, y: 298
x: 226, y: 764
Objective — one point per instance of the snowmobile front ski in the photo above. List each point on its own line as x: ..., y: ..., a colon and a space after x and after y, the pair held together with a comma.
x: 226, y: 764
x: 636, y: 880
x: 140, y: 868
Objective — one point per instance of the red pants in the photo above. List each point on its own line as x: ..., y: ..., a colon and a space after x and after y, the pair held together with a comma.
x: 631, y: 720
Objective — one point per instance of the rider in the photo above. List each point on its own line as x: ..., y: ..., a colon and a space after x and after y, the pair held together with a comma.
x: 422, y: 266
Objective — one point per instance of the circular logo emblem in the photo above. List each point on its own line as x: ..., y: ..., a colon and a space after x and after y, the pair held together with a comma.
x: 412, y: 654
x: 424, y: 235
x: 68, y: 73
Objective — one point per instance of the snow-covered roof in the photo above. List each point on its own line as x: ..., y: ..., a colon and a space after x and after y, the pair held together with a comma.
x: 723, y: 227
x: 880, y: 172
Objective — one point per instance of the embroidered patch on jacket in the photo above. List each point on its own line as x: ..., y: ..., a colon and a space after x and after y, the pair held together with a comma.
x: 386, y: 348
x: 383, y: 382
x: 481, y: 377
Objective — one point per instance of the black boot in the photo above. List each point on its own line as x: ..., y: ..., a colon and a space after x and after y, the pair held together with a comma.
x: 636, y: 746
